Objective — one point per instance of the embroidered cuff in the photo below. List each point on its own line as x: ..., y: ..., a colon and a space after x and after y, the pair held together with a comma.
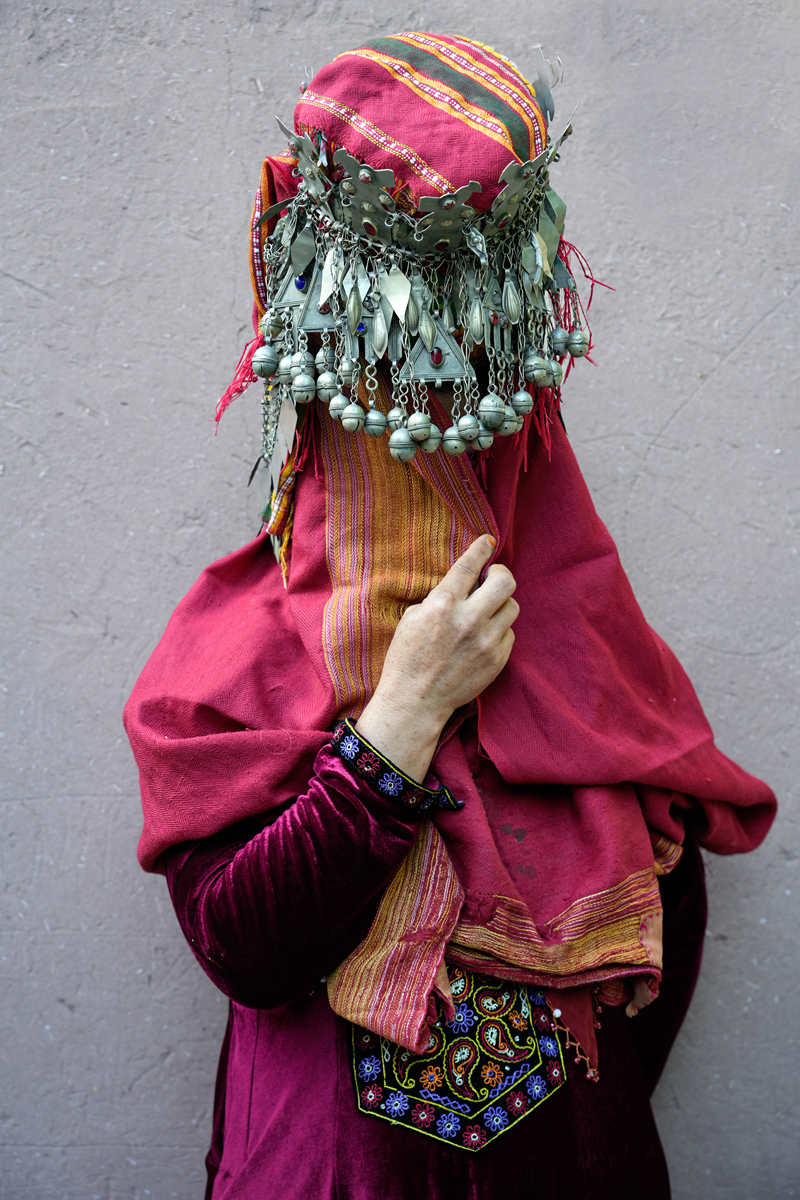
x: 383, y: 776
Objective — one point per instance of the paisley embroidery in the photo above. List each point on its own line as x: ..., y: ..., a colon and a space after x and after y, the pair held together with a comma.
x: 497, y: 1060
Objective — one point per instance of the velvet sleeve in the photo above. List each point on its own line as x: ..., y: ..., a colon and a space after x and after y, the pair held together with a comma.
x: 269, y: 911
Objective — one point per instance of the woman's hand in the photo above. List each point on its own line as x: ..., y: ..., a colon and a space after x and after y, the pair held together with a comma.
x: 445, y: 651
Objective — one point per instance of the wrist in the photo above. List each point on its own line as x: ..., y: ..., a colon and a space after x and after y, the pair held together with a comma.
x: 408, y: 734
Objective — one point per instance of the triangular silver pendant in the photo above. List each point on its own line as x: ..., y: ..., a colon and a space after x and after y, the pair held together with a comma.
x: 421, y: 363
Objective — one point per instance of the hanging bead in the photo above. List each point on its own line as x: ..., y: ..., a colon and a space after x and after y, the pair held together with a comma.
x: 346, y: 370
x: 325, y: 359
x: 353, y: 418
x: 534, y: 368
x: 578, y: 343
x: 302, y: 363
x: 395, y: 418
x: 491, y: 410
x: 412, y: 316
x: 469, y: 427
x: 484, y: 439
x: 557, y: 371
x: 354, y: 309
x: 337, y: 406
x: 419, y: 426
x: 452, y: 442
x: 375, y: 423
x: 522, y: 402
x: 265, y: 362
x: 284, y: 371
x: 304, y: 388
x: 559, y: 340
x: 509, y: 422
x: 402, y: 446
x: 327, y: 386
x: 433, y: 441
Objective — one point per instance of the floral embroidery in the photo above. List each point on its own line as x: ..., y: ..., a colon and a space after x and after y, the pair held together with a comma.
x: 371, y: 1096
x: 349, y: 746
x: 369, y: 1068
x: 463, y: 1020
x: 550, y: 1046
x: 365, y: 761
x: 391, y: 783
x: 474, y: 1137
x: 555, y: 1074
x: 536, y: 1087
x: 491, y: 1075
x: 448, y: 1125
x: 422, y: 1115
x: 495, y: 1118
x: 480, y: 1074
x: 431, y: 1077
x: 537, y: 998
x: 369, y: 763
x: 396, y: 1104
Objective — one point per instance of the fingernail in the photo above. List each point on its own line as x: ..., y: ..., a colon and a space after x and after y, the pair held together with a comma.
x: 492, y: 540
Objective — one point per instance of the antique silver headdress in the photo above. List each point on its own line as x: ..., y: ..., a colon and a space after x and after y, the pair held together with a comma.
x: 346, y: 263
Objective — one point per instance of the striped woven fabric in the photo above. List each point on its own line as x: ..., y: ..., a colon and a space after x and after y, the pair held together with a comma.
x: 438, y: 111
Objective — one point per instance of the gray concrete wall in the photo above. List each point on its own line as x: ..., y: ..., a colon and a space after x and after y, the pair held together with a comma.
x: 131, y: 142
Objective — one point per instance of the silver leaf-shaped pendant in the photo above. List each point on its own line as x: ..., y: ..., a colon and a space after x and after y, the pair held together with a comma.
x: 532, y: 261
x: 412, y: 316
x: 427, y: 330
x: 512, y: 303
x: 476, y: 321
x: 380, y: 334
x: 396, y: 287
x: 354, y: 309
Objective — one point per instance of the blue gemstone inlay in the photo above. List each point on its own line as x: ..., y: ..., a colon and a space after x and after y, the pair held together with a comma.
x: 300, y: 283
x: 361, y: 328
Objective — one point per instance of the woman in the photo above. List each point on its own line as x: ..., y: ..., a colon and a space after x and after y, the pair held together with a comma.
x: 428, y: 791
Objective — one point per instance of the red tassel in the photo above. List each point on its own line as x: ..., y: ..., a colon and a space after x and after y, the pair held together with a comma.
x: 242, y: 378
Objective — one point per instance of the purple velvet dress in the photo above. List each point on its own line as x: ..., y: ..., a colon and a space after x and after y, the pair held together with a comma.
x: 270, y: 911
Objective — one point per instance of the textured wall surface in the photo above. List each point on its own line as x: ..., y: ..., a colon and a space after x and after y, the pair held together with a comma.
x: 131, y: 142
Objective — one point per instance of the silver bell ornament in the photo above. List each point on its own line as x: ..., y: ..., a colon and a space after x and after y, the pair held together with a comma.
x: 419, y: 426
x: 522, y: 403
x: 271, y: 324
x: 469, y: 427
x: 484, y: 439
x: 353, y: 418
x: 559, y: 340
x: 402, y: 446
x: 509, y: 424
x: 337, y: 406
x: 284, y: 371
x: 302, y: 363
x: 452, y: 441
x: 534, y: 368
x: 578, y: 343
x: 395, y: 418
x: 433, y: 441
x: 557, y: 372
x: 346, y: 371
x: 327, y: 386
x: 375, y: 423
x: 491, y: 410
x: 325, y: 359
x: 304, y: 388
x: 265, y: 362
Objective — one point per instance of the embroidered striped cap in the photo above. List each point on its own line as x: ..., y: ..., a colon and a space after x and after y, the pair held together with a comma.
x: 438, y: 111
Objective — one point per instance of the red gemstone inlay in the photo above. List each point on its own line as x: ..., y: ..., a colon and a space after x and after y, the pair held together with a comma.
x: 369, y: 228
x: 436, y: 356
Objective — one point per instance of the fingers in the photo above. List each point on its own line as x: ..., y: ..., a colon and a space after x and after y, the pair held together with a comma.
x: 466, y: 570
x: 498, y: 586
